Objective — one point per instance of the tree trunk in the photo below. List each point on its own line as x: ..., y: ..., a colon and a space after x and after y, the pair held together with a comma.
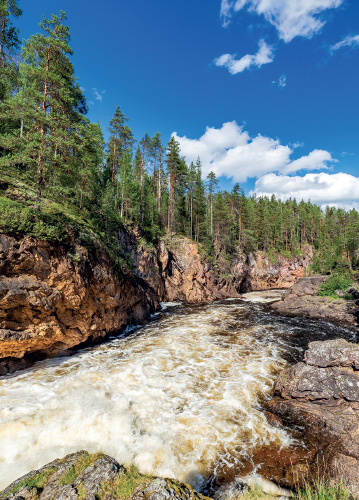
x: 114, y: 158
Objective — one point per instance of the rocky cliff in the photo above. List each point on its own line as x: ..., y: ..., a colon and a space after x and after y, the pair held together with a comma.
x: 53, y: 298
x: 321, y: 396
x: 56, y: 297
x: 177, y: 270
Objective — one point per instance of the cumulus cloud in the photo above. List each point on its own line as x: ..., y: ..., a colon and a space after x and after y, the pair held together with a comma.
x: 348, y: 41
x: 340, y: 190
x: 230, y: 151
x: 264, y: 55
x: 98, y: 94
x: 291, y: 18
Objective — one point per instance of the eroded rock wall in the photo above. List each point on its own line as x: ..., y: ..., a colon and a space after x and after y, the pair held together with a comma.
x: 53, y: 299
x: 176, y: 270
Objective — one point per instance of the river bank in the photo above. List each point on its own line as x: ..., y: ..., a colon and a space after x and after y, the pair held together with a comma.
x: 302, y: 300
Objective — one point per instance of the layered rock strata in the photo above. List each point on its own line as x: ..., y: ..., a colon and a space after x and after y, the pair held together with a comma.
x: 321, y: 396
x: 53, y: 299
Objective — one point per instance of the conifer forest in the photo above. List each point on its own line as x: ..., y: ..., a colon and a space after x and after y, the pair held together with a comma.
x: 58, y: 173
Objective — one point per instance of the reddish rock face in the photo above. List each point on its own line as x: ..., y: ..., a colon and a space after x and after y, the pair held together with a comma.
x: 321, y: 395
x: 178, y: 272
x: 51, y: 300
x: 259, y: 273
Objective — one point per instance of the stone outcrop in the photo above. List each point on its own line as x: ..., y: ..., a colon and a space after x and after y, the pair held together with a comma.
x: 177, y: 271
x: 90, y: 477
x: 261, y: 273
x: 321, y: 396
x: 303, y: 300
x: 53, y: 299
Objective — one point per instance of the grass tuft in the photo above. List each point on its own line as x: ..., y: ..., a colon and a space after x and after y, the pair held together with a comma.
x: 323, y: 490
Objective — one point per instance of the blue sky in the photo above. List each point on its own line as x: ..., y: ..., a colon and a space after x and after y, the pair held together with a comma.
x: 274, y: 81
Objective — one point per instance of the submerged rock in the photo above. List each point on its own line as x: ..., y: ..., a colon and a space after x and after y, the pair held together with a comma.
x: 82, y: 476
x: 321, y: 395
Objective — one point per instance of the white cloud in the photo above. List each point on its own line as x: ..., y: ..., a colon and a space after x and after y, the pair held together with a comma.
x: 340, y: 190
x: 348, y: 41
x: 264, y: 55
x: 281, y: 82
x: 291, y: 18
x: 98, y: 94
x: 230, y: 151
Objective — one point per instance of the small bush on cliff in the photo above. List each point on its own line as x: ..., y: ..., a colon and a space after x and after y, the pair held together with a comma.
x: 333, y: 283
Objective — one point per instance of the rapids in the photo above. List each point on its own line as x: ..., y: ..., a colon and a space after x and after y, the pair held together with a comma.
x: 179, y: 397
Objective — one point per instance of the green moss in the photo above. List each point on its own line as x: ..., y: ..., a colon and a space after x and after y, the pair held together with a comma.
x: 38, y: 482
x: 81, y: 492
x: 84, y: 460
x: 333, y: 283
x: 123, y: 486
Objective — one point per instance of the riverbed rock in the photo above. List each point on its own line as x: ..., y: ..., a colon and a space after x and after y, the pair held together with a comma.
x: 321, y: 396
x: 81, y: 476
x: 303, y: 300
x: 54, y: 298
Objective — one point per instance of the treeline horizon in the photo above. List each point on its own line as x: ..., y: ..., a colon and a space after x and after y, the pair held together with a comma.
x: 47, y: 141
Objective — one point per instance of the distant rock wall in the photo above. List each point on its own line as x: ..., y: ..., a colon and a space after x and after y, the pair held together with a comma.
x: 177, y: 271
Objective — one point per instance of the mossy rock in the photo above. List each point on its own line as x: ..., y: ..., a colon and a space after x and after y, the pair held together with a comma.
x: 82, y: 476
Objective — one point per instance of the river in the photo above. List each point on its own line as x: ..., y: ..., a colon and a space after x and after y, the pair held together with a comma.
x: 179, y: 397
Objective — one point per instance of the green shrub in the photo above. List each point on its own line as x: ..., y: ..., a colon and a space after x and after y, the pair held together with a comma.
x: 335, y: 282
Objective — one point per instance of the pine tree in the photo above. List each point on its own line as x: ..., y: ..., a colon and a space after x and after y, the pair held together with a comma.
x: 9, y: 44
x: 173, y: 162
x: 115, y: 128
x: 50, y: 105
x: 212, y: 184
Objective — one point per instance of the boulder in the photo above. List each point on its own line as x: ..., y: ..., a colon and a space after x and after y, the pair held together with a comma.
x: 81, y: 476
x: 321, y: 396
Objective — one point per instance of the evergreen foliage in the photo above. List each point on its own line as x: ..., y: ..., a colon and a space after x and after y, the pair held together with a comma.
x: 57, y: 172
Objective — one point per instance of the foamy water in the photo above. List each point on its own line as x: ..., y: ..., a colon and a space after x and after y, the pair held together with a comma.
x: 179, y: 397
